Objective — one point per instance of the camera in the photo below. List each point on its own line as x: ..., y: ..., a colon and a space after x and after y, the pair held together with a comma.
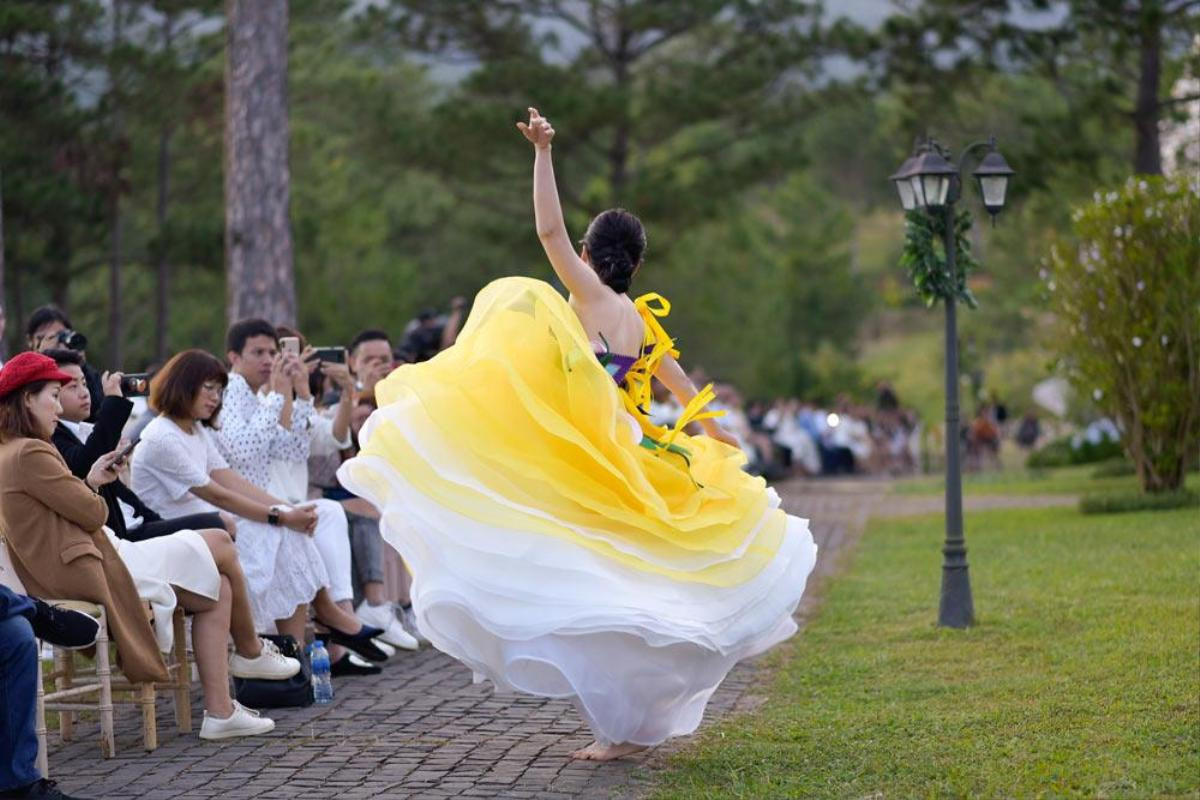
x: 72, y: 340
x: 135, y: 384
x: 333, y: 355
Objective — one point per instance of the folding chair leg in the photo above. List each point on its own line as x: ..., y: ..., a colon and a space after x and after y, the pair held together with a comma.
x: 64, y: 669
x: 182, y: 676
x: 145, y: 698
x: 108, y: 742
x: 42, y: 761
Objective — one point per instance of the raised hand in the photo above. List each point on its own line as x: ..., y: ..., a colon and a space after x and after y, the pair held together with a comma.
x: 538, y: 130
x: 281, y: 381
x: 339, y: 374
x: 111, y: 381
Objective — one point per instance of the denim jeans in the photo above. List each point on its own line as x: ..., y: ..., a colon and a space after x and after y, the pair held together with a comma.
x: 18, y: 694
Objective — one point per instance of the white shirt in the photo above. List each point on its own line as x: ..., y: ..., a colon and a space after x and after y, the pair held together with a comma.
x: 250, y: 436
x: 170, y: 462
x: 289, y: 479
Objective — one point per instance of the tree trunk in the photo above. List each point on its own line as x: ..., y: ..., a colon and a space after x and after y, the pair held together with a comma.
x: 1147, y: 159
x: 116, y: 315
x: 258, y: 241
x: 162, y: 297
x: 162, y: 293
x: 618, y: 154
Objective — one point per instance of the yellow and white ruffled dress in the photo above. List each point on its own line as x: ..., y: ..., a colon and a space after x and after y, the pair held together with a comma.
x: 560, y: 543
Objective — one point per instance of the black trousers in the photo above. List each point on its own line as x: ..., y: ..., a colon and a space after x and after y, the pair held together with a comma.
x: 191, y: 522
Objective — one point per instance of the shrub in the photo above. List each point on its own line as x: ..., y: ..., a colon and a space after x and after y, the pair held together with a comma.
x: 1126, y: 296
x: 1120, y: 502
x: 1062, y: 453
x: 1114, y: 468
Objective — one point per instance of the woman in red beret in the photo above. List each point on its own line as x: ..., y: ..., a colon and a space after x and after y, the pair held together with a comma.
x: 53, y: 521
x: 54, y: 524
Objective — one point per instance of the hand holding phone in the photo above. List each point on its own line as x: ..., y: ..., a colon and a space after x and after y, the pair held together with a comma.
x: 135, y: 384
x: 124, y: 452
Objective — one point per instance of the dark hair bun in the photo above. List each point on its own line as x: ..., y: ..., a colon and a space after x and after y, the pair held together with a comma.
x: 616, y: 242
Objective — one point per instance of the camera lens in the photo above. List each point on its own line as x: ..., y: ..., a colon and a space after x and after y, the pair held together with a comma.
x: 72, y: 340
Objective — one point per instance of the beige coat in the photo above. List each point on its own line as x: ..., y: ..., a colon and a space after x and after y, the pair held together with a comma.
x: 53, y: 523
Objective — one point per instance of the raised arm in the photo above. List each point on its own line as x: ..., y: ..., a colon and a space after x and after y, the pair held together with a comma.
x: 575, y: 274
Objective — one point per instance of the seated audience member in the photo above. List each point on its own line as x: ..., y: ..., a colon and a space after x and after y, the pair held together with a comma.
x: 59, y: 548
x: 49, y: 329
x: 266, y: 417
x: 330, y: 435
x: 179, y: 470
x: 783, y: 420
x: 366, y: 541
x: 23, y: 620
x: 82, y: 443
x: 370, y: 360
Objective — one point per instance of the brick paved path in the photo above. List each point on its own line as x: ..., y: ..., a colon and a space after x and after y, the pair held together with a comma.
x: 422, y: 729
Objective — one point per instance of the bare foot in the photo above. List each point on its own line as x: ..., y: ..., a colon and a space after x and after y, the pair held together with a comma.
x: 606, y: 752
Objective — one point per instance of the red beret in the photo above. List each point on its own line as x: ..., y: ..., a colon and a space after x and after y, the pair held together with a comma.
x: 28, y: 368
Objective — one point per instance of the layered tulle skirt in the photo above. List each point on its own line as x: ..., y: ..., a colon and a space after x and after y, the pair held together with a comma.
x: 554, y: 549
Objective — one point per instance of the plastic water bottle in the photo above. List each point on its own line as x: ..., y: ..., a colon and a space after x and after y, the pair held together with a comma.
x: 322, y: 683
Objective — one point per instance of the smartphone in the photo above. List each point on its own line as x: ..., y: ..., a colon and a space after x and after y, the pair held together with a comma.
x: 332, y: 355
x: 135, y: 384
x: 290, y: 344
x: 125, y: 451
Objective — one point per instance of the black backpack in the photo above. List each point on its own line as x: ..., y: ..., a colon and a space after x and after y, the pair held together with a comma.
x: 291, y: 692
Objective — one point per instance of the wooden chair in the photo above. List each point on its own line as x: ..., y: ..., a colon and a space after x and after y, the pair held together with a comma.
x: 67, y: 684
x: 112, y: 689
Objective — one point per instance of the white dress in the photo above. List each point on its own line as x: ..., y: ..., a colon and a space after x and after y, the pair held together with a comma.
x: 283, y: 568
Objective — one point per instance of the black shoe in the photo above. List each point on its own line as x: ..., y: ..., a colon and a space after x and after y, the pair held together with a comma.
x: 63, y: 627
x: 360, y: 642
x: 350, y: 664
x: 43, y: 790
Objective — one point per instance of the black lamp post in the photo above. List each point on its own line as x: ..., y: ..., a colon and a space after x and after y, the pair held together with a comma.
x: 929, y: 182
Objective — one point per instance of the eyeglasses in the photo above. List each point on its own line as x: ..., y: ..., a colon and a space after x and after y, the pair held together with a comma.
x: 213, y: 388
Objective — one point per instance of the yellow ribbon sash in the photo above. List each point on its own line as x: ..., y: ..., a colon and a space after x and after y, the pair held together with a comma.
x: 636, y: 391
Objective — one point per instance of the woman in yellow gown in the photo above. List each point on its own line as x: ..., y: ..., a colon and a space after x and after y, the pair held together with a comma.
x: 560, y: 543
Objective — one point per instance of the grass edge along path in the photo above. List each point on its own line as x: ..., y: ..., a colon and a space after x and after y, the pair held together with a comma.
x: 1079, y: 680
x: 1076, y: 480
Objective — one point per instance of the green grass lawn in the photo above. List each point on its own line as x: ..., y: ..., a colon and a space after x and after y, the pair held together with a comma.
x: 1062, y: 480
x: 1081, y: 678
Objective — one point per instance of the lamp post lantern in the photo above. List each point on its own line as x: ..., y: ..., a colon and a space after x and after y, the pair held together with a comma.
x: 929, y: 183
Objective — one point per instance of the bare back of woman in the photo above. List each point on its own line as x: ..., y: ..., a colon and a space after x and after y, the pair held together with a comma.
x: 600, y: 274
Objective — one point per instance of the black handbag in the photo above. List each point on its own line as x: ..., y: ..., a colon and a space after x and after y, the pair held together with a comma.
x: 291, y: 692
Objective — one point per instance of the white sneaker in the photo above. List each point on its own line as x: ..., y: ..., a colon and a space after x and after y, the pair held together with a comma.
x: 382, y: 617
x: 242, y: 722
x: 408, y: 618
x: 270, y: 665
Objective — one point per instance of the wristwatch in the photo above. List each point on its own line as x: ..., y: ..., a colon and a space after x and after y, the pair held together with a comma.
x: 273, y: 515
